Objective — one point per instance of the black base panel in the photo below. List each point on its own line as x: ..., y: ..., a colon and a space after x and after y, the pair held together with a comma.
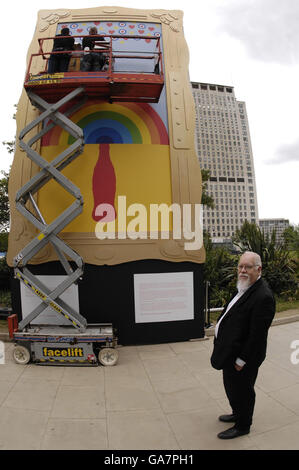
x: 106, y: 295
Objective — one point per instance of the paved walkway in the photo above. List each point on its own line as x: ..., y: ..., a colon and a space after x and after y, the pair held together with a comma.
x: 158, y: 397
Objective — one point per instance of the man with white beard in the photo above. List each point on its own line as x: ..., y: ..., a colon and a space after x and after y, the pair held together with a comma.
x: 240, y: 342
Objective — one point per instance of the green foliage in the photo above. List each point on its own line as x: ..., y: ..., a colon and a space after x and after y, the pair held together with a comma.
x: 10, y: 145
x: 283, y: 305
x: 250, y: 238
x: 280, y: 274
x: 280, y: 269
x: 291, y: 238
x: 220, y: 272
x: 3, y: 241
x: 206, y: 200
x: 5, y: 298
x: 4, y: 274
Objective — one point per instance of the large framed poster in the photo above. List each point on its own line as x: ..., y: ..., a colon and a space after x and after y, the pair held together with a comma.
x: 163, y: 297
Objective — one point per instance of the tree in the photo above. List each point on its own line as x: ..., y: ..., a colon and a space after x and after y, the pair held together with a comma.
x: 291, y: 238
x: 250, y: 238
x: 206, y: 199
x: 220, y: 272
x: 280, y: 269
x: 10, y: 145
x: 3, y: 242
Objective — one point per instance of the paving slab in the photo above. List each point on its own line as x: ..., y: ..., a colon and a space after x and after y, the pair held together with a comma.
x: 140, y: 430
x: 82, y: 401
x: 75, y: 434
x: 21, y: 429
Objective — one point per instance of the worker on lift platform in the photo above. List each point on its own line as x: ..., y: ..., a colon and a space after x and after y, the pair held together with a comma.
x: 92, y: 60
x: 60, y: 62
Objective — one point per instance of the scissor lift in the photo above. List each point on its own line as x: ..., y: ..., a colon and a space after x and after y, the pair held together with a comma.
x: 77, y: 343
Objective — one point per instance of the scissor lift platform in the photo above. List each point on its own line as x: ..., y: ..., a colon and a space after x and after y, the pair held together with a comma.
x: 142, y: 88
x: 62, y: 345
x: 109, y: 84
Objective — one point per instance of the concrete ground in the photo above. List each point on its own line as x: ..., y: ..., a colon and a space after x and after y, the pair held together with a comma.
x: 163, y: 396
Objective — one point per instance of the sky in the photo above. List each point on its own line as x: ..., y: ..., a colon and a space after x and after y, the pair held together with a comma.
x: 252, y: 45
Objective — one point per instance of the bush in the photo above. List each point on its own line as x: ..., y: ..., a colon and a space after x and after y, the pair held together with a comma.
x: 5, y: 298
x: 4, y: 275
x: 3, y: 242
x: 281, y: 277
x: 280, y: 267
x: 220, y: 272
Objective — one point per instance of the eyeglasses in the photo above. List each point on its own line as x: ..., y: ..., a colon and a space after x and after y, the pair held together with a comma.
x: 247, y: 267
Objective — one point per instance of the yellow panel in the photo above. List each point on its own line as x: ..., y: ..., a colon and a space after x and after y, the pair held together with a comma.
x: 142, y: 175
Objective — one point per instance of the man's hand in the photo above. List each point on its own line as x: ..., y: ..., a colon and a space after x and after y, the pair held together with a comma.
x: 238, y: 368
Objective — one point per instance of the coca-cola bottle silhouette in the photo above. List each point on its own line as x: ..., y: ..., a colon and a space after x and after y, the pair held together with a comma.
x: 104, y: 186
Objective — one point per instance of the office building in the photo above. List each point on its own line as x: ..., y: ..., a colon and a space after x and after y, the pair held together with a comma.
x: 224, y: 148
x: 279, y: 225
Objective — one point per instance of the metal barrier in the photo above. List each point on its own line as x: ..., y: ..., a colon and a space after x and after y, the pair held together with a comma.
x: 104, y: 48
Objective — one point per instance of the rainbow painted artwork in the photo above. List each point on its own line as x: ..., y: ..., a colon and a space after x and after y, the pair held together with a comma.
x: 126, y: 153
x: 126, y: 123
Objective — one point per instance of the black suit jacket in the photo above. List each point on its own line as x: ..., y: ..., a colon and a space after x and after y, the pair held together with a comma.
x: 63, y: 44
x: 243, y: 331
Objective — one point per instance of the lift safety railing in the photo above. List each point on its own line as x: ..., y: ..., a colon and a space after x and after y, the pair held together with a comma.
x: 107, y: 49
x: 28, y: 207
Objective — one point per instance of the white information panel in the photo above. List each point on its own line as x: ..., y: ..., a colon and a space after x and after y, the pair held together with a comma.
x: 49, y: 317
x: 163, y: 297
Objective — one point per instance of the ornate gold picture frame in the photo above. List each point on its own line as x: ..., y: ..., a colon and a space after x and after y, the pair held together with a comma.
x: 185, y: 174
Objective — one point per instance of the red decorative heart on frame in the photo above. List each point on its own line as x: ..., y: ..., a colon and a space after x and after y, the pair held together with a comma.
x: 151, y: 28
x: 96, y: 22
x: 109, y: 24
x: 111, y: 31
x: 148, y: 40
x: 79, y: 30
x: 140, y: 31
x: 132, y: 26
